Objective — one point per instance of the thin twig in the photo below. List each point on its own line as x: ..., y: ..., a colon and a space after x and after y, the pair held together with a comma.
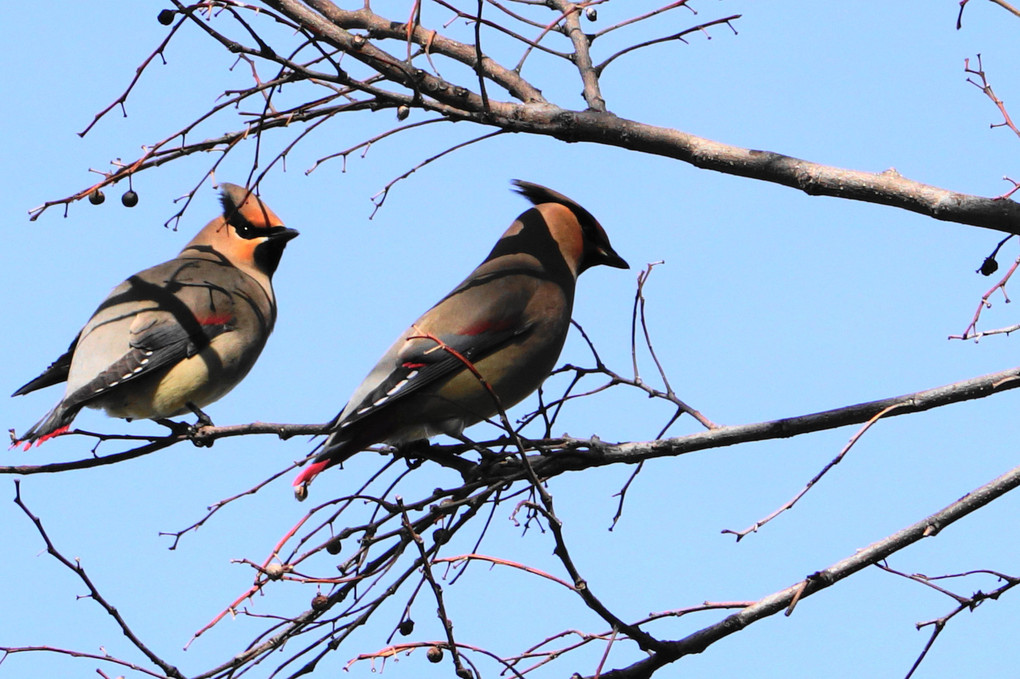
x: 986, y: 87
x: 971, y: 330
x: 76, y: 568
x: 963, y: 602
x: 670, y: 38
x: 768, y: 606
x: 753, y: 528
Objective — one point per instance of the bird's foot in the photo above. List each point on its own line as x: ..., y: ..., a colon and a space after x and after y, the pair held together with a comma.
x: 491, y: 463
x: 203, y: 419
x: 487, y: 458
x: 414, y: 452
x: 193, y: 432
x: 176, y: 428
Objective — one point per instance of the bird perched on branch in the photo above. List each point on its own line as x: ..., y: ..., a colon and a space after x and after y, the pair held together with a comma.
x: 176, y: 337
x: 506, y: 322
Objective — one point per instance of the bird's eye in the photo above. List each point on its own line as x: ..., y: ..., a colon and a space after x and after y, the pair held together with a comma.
x: 243, y: 227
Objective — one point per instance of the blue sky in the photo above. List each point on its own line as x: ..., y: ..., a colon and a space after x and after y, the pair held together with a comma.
x: 770, y: 304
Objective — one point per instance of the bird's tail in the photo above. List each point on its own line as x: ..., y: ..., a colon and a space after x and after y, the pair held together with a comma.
x: 55, y: 423
x: 334, y: 451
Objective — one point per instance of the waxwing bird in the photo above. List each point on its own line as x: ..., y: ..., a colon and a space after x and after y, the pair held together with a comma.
x: 176, y: 337
x: 509, y: 319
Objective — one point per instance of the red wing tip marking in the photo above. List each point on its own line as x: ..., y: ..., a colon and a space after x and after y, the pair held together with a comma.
x: 216, y: 319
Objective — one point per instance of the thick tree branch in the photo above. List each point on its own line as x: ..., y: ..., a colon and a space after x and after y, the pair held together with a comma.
x: 884, y: 188
x: 328, y: 29
x: 203, y: 436
x: 582, y: 55
x: 380, y: 27
x: 594, y: 453
x: 565, y: 454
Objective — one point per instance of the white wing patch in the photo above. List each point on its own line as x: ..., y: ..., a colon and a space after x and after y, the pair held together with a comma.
x: 401, y: 384
x: 380, y: 401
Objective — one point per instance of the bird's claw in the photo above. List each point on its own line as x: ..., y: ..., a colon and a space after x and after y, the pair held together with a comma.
x: 193, y: 432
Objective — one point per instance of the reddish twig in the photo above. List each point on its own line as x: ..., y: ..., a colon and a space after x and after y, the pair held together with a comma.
x: 639, y: 311
x: 986, y: 87
x: 122, y: 99
x: 379, y: 198
x: 643, y: 17
x: 753, y: 528
x: 217, y: 506
x: 503, y: 562
x: 12, y: 650
x: 971, y: 331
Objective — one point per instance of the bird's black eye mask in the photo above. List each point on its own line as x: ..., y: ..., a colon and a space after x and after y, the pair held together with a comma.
x: 244, y: 228
x: 248, y: 231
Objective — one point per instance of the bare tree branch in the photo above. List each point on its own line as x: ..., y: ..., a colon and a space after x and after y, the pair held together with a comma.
x: 822, y: 579
x: 964, y: 603
x: 381, y: 547
x: 364, y: 35
x: 593, y: 452
x: 203, y: 436
x: 76, y: 568
x: 1001, y: 3
x: 753, y: 528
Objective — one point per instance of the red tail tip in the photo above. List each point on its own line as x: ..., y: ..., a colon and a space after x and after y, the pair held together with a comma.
x: 39, y: 441
x: 305, y: 478
x: 310, y: 472
x: 53, y: 434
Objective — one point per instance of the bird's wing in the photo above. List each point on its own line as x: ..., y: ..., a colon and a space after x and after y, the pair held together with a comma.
x: 167, y: 320
x: 424, y: 362
x: 54, y: 374
x: 469, y: 324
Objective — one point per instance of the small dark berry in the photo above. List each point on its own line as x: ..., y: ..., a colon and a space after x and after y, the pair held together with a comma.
x: 333, y: 546
x: 130, y: 198
x: 989, y: 266
x: 592, y: 14
x: 166, y: 17
x: 441, y: 536
x: 97, y: 197
x: 406, y: 627
x: 434, y: 654
x: 320, y: 602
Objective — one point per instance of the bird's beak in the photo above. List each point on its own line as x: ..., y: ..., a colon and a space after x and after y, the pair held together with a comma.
x: 282, y: 233
x: 609, y: 257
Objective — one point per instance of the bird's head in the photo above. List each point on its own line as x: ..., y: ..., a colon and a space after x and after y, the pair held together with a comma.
x: 248, y: 234
x: 582, y: 240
